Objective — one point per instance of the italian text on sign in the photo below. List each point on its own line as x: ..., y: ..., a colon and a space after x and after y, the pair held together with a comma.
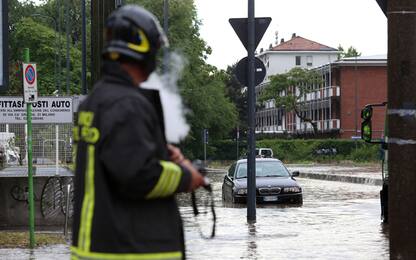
x: 45, y: 110
x: 30, y: 85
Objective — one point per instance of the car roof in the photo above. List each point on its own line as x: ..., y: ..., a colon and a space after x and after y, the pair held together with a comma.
x: 259, y: 160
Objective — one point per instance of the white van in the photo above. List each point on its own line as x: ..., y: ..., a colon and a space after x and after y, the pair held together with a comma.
x: 264, y: 153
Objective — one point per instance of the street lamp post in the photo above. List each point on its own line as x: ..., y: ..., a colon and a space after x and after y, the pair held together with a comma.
x: 57, y: 83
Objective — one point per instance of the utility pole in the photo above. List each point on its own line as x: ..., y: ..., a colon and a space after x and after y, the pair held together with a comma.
x: 402, y: 127
x: 100, y: 10
x: 251, y: 160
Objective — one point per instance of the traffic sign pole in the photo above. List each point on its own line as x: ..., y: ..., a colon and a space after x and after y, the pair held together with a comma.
x: 251, y: 162
x: 26, y: 59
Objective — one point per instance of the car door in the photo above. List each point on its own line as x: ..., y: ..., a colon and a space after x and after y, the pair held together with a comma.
x: 228, y: 183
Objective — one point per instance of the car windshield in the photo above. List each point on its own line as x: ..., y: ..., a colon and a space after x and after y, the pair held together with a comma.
x: 264, y: 169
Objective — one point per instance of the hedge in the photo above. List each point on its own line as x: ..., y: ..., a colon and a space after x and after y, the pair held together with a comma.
x: 301, y: 150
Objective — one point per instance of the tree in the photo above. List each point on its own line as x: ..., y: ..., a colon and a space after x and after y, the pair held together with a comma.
x: 202, y: 86
x: 289, y: 88
x: 351, y: 52
x: 236, y: 92
x: 43, y: 51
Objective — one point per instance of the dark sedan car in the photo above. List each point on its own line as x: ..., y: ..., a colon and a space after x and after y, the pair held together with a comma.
x: 274, y: 183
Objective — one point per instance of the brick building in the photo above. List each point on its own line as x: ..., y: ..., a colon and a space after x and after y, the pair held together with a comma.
x: 296, y: 52
x: 362, y: 81
x: 335, y: 105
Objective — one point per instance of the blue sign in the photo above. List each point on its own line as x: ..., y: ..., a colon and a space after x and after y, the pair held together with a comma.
x: 30, y: 75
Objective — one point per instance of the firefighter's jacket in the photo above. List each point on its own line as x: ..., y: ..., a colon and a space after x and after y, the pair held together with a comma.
x: 124, y: 184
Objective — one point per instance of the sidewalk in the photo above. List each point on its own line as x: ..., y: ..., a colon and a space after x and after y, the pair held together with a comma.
x: 370, y: 175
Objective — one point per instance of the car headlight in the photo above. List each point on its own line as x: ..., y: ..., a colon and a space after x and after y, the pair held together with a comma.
x: 292, y: 189
x: 242, y: 191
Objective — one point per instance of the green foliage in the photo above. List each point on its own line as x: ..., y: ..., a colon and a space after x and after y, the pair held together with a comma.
x: 38, y: 34
x: 202, y: 85
x: 43, y: 51
x: 287, y: 89
x: 238, y: 97
x: 351, y: 52
x: 301, y: 150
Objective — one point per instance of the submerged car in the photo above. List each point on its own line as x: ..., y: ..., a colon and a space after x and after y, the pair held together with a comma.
x: 274, y: 183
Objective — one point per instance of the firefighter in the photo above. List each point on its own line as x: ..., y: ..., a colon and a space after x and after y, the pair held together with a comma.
x: 126, y: 175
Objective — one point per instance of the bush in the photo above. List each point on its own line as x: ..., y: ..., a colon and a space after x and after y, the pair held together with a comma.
x: 302, y: 150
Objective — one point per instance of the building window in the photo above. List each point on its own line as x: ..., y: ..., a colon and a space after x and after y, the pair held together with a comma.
x: 298, y: 61
x: 309, y: 61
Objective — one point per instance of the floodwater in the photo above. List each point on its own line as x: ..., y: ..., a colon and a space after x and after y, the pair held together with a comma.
x: 337, y: 221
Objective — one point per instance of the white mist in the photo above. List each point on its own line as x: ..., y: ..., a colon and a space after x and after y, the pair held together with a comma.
x: 176, y: 127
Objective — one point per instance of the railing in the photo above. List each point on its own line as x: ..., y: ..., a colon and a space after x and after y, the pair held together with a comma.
x: 322, y: 125
x: 332, y: 91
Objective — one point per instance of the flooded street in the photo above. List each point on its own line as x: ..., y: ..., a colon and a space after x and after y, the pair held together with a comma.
x: 337, y: 221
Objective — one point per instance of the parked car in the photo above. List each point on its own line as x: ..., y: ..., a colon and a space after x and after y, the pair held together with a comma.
x: 274, y: 183
x: 264, y: 153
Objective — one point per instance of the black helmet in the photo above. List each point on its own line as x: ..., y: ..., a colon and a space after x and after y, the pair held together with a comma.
x: 133, y: 33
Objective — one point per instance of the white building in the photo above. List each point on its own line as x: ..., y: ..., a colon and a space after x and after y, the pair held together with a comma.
x: 297, y: 52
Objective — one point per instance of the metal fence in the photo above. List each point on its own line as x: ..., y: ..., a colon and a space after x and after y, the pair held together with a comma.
x: 51, y: 144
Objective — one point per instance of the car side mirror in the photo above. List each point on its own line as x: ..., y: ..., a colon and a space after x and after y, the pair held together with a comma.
x: 295, y: 174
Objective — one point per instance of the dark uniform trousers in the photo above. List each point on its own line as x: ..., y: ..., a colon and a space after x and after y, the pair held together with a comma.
x: 124, y: 204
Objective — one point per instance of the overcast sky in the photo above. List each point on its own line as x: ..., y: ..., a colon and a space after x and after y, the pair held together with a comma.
x: 357, y: 23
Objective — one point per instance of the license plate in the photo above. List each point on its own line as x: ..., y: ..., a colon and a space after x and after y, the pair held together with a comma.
x: 270, y: 198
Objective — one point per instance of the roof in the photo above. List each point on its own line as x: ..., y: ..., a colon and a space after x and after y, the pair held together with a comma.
x: 375, y: 60
x: 366, y: 58
x: 298, y: 43
x: 260, y: 160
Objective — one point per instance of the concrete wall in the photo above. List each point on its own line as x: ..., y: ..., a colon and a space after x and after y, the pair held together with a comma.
x: 15, y: 213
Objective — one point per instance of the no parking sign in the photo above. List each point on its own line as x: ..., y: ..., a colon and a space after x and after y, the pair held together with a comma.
x: 30, y: 83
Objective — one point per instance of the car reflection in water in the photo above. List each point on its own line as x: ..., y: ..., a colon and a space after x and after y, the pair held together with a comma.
x: 274, y: 183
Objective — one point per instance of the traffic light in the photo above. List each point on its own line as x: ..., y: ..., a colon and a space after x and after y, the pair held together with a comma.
x: 366, y: 130
x: 366, y: 127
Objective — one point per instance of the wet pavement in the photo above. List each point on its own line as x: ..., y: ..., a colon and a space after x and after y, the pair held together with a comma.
x: 337, y: 221
x: 367, y: 171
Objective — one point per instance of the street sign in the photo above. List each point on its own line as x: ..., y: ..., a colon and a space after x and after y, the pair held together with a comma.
x: 383, y: 6
x: 4, y: 28
x: 30, y: 83
x: 240, y: 27
x: 240, y: 71
x: 46, y: 110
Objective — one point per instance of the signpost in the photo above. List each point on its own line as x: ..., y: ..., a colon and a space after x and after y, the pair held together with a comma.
x: 250, y: 31
x: 205, y: 139
x: 241, y: 71
x: 30, y: 83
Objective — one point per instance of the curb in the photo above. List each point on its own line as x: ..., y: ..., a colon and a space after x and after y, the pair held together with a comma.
x: 342, y: 178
